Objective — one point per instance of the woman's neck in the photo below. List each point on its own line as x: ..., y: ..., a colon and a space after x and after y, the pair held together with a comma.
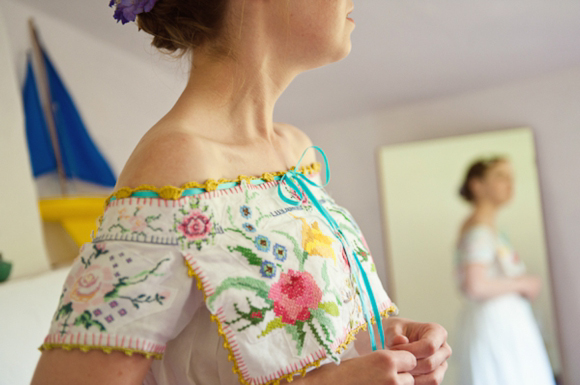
x: 485, y: 212
x: 235, y: 97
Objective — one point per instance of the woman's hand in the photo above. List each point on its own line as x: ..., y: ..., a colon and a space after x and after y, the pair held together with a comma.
x: 530, y: 286
x: 428, y: 344
x: 382, y: 367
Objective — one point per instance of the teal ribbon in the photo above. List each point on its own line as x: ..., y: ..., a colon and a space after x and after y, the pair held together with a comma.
x: 293, y: 179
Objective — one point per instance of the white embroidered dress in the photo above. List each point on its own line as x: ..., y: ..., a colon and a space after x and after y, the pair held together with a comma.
x: 499, y: 341
x: 273, y: 277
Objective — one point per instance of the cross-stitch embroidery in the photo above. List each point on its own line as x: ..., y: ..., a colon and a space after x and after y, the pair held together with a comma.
x: 294, y: 301
x: 194, y: 226
x: 135, y: 224
x: 91, y: 288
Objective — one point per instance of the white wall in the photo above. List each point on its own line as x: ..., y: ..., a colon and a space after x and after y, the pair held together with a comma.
x: 549, y: 105
x: 118, y: 96
x: 20, y: 234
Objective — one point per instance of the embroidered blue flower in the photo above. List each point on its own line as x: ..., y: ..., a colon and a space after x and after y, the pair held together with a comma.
x: 127, y: 10
x: 268, y: 269
x: 249, y: 227
x: 262, y: 243
x: 246, y: 212
x: 280, y: 252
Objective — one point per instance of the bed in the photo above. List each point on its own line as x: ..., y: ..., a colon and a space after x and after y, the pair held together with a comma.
x: 26, y: 308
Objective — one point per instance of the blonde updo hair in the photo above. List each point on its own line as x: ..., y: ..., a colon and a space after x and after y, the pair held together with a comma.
x: 180, y: 26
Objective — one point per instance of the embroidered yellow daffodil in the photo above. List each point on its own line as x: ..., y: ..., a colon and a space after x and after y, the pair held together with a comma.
x: 314, y: 242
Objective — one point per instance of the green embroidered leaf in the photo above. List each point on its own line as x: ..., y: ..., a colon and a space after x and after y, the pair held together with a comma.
x: 64, y: 310
x: 325, y: 322
x: 230, y: 216
x: 252, y: 258
x: 241, y: 283
x: 262, y: 216
x: 319, y: 339
x: 329, y: 307
x: 136, y: 279
x: 250, y: 197
x: 327, y: 287
x: 373, y: 268
x: 86, y: 320
x: 240, y: 232
x: 344, y: 227
x: 325, y: 275
x: 113, y: 293
x: 302, y: 255
x: 298, y: 334
x: 152, y: 218
x: 276, y: 323
x: 123, y: 230
x: 348, y: 219
x: 303, y: 260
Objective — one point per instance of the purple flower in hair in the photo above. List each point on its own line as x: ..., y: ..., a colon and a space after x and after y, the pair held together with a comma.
x: 127, y: 10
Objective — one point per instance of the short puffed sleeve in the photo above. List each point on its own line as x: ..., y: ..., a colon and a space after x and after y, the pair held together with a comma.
x: 478, y: 245
x: 129, y: 289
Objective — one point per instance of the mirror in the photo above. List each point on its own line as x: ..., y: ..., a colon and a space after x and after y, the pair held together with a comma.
x: 423, y: 213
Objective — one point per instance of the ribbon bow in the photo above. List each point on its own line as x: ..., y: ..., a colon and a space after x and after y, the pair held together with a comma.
x: 298, y: 183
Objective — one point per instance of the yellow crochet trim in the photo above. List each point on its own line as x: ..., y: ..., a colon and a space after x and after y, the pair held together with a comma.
x: 288, y: 377
x: 106, y: 349
x: 351, y: 335
x: 174, y: 193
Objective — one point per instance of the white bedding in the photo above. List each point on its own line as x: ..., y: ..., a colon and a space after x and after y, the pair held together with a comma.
x: 26, y: 308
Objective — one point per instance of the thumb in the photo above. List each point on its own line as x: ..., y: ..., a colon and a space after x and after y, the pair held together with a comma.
x: 399, y: 339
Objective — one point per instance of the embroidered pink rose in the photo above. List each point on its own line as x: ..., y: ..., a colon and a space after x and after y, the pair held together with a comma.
x: 138, y: 223
x: 195, y: 226
x: 87, y: 287
x: 294, y: 295
x: 100, y: 247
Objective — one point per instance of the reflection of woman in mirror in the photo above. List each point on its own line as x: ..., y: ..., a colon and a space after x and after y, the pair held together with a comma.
x: 499, y: 341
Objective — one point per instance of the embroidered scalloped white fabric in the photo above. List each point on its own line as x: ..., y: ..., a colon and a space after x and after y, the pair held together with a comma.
x: 273, y: 277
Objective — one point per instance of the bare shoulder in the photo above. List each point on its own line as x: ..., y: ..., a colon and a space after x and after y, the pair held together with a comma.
x: 473, y: 222
x: 167, y: 157
x: 298, y: 141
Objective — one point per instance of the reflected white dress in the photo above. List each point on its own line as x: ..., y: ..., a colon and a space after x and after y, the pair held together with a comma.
x: 499, y: 342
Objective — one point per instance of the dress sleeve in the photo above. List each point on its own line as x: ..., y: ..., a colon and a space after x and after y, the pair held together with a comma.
x: 478, y: 246
x: 127, y: 292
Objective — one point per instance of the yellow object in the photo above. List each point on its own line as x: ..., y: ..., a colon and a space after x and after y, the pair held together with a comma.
x: 314, y: 242
x: 106, y: 349
x: 77, y: 215
x: 174, y: 193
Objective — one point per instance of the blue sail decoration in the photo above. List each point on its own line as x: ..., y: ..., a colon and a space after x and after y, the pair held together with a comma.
x: 41, y: 151
x: 80, y: 157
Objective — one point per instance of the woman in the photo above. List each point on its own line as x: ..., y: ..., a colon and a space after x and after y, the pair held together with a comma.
x: 282, y: 270
x: 499, y: 341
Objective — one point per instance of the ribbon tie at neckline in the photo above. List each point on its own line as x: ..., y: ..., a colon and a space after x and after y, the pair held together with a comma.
x: 298, y: 183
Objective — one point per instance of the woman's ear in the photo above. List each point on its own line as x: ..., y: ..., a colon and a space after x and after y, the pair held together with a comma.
x: 475, y: 186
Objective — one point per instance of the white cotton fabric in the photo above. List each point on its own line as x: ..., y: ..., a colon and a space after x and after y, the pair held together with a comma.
x: 498, y: 340
x: 276, y: 276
